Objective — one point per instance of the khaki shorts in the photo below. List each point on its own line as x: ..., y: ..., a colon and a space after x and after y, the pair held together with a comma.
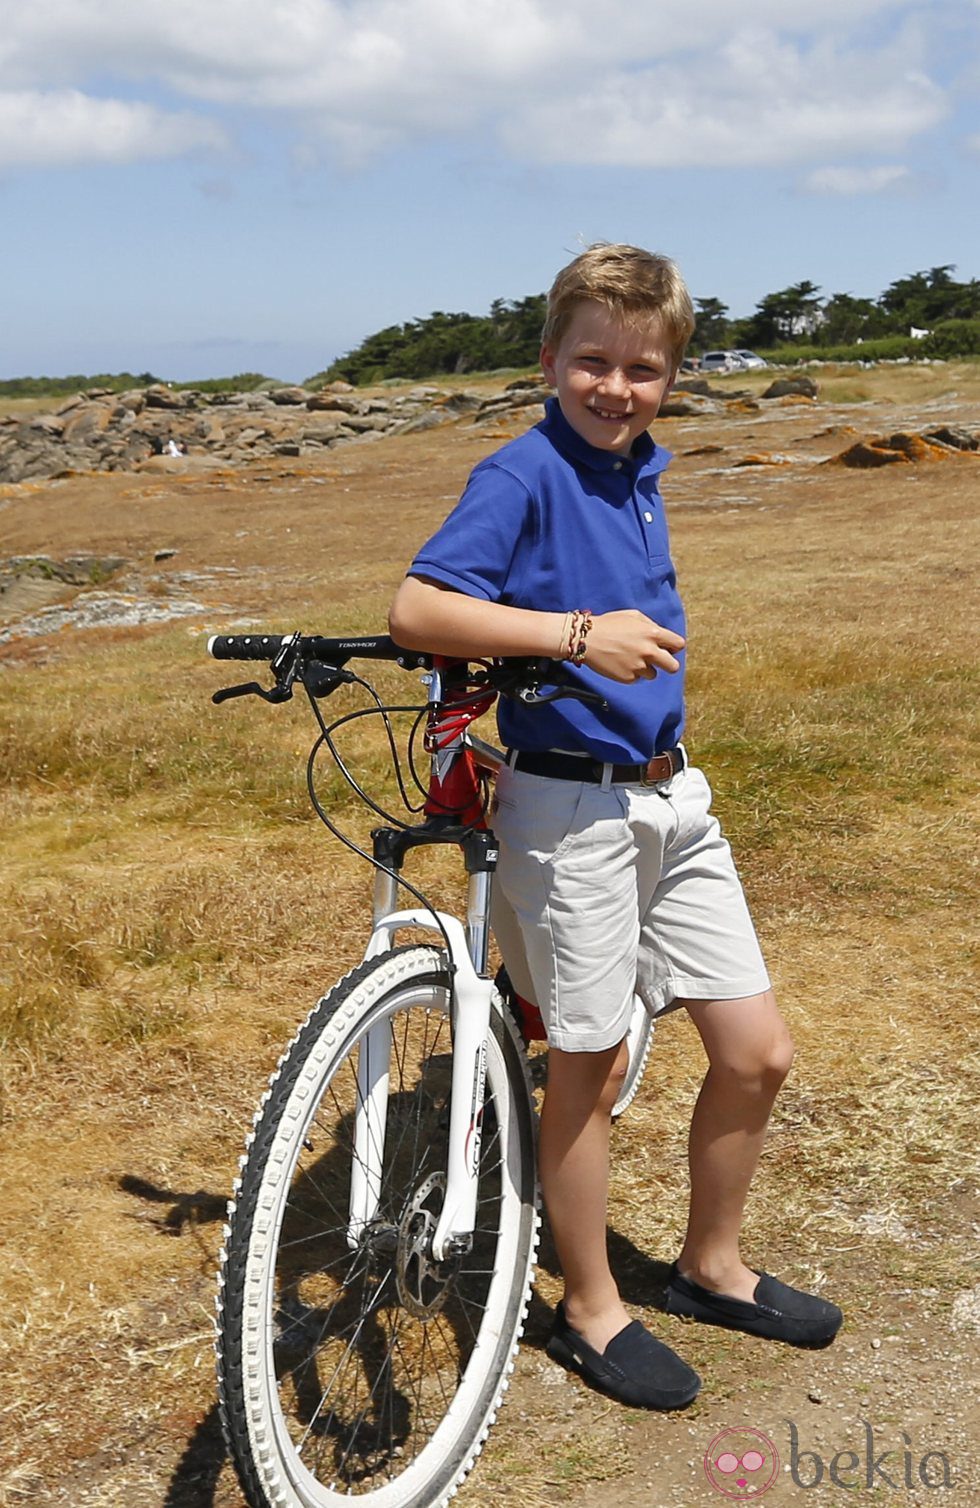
x: 606, y: 892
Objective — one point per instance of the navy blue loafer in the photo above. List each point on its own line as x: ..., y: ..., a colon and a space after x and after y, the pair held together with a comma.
x: 635, y: 1367
x: 778, y: 1312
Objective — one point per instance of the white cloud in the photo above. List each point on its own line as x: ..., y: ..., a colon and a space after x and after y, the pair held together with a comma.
x: 856, y: 180
x: 679, y: 83
x: 758, y: 101
x: 65, y: 127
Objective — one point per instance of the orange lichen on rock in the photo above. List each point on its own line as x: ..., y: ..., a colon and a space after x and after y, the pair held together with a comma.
x: 867, y: 455
x: 915, y: 447
x: 901, y: 447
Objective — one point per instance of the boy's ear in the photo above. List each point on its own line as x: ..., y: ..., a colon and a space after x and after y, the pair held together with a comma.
x: 547, y: 360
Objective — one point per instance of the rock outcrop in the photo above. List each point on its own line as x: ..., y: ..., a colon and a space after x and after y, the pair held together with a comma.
x: 99, y: 431
x: 159, y: 428
x: 904, y: 447
x: 31, y: 583
x: 796, y: 387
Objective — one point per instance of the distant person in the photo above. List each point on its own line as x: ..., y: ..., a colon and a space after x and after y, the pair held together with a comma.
x: 614, y: 876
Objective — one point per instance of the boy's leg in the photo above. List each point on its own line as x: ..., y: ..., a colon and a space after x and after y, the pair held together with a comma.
x: 749, y: 1054
x: 699, y: 949
x: 572, y: 901
x: 592, y: 1334
x: 568, y: 936
x: 574, y: 1168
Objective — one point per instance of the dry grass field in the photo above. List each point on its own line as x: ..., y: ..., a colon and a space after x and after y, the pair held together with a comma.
x: 172, y: 908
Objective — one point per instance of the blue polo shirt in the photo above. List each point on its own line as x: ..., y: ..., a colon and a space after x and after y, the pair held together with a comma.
x: 552, y: 523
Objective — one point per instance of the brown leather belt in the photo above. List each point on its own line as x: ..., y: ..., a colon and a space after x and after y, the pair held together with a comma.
x: 576, y: 767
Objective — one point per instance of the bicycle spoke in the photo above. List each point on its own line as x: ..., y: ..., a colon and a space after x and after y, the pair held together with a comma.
x: 339, y: 1369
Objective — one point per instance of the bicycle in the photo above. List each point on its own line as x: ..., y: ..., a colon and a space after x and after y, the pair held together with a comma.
x: 378, y: 1257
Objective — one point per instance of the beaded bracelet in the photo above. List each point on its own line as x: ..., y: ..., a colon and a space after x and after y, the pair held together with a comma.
x: 581, y: 626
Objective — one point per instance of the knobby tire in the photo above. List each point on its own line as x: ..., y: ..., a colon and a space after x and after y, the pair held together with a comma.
x: 332, y: 1386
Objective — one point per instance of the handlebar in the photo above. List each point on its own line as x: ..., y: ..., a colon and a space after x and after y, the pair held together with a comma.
x: 319, y: 664
x: 334, y: 652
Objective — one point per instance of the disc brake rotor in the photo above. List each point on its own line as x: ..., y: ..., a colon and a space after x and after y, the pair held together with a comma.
x: 422, y: 1282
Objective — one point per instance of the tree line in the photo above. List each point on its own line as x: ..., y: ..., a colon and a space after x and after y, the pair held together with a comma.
x: 123, y: 382
x: 509, y: 336
x: 784, y: 324
x: 798, y: 314
x: 794, y: 323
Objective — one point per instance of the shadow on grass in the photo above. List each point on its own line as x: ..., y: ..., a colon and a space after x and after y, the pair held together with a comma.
x: 195, y: 1481
x: 199, y: 1208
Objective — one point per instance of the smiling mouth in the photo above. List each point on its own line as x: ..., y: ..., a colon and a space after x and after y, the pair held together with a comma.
x: 607, y: 413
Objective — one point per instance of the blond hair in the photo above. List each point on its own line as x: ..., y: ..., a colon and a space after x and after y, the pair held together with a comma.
x: 627, y: 281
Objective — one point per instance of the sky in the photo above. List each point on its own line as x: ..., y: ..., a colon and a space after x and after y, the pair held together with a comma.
x: 199, y: 188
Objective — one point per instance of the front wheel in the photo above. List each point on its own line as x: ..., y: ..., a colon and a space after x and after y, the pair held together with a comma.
x: 351, y: 1364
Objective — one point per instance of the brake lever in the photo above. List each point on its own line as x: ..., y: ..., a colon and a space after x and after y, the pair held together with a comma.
x: 535, y: 671
x: 285, y: 668
x: 252, y: 688
x: 532, y: 698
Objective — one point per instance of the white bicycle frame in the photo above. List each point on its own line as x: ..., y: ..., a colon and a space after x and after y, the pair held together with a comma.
x: 471, y: 996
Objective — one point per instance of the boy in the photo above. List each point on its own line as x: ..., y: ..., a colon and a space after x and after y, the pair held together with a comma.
x: 613, y: 875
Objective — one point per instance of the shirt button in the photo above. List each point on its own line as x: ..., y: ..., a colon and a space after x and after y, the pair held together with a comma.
x: 617, y: 465
x: 648, y: 517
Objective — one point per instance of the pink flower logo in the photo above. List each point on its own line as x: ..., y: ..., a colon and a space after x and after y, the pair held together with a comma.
x: 742, y: 1463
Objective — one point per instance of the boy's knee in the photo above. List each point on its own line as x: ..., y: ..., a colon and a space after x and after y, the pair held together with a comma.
x: 762, y: 1068
x: 775, y: 1061
x: 778, y: 1061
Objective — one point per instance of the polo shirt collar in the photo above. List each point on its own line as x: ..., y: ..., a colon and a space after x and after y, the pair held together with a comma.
x: 644, y: 453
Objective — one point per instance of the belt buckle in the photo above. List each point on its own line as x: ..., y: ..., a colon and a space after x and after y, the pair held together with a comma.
x: 650, y: 780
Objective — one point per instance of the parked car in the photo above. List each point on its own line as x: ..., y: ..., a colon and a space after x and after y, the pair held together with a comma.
x: 750, y: 359
x: 720, y: 361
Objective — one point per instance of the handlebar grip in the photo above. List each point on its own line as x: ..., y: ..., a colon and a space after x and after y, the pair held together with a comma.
x: 245, y: 646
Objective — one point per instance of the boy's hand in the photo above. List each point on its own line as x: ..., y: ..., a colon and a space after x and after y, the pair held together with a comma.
x: 629, y: 646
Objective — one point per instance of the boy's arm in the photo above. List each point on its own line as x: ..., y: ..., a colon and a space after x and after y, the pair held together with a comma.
x: 624, y: 646
x: 428, y: 615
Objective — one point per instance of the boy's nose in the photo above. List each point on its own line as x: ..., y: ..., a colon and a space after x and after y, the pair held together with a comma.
x: 616, y: 381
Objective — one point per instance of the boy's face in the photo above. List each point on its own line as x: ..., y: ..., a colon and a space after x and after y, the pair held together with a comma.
x: 611, y: 377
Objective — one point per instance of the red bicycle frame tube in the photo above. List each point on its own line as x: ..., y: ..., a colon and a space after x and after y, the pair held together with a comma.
x: 454, y: 783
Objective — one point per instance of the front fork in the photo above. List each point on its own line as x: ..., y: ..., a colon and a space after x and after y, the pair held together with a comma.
x: 470, y: 1007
